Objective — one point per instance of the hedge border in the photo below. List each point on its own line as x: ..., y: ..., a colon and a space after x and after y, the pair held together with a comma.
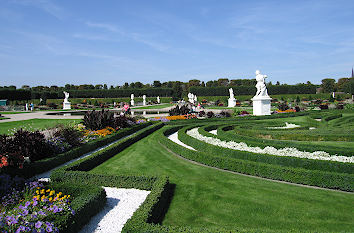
x: 331, y: 180
x: 38, y: 167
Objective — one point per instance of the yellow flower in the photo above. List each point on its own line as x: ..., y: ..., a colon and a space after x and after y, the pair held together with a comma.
x: 51, y: 193
x: 50, y: 199
x: 37, y: 191
x: 42, y: 191
x: 48, y: 190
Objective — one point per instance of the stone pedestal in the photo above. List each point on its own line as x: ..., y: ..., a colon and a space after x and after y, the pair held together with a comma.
x: 144, y: 102
x: 66, y: 105
x: 231, y: 103
x: 261, y: 105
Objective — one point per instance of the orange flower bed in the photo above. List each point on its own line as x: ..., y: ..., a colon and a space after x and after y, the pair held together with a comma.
x: 288, y: 110
x: 101, y: 133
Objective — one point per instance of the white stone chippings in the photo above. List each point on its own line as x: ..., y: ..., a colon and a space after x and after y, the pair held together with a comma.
x: 174, y: 137
x: 215, y: 132
x: 319, y: 155
x: 287, y: 126
x: 120, y: 207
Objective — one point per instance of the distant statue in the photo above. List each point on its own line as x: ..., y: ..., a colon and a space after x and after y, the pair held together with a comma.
x: 66, y: 96
x: 231, y: 91
x: 158, y: 99
x: 261, y: 87
x: 144, y: 100
x: 132, y: 100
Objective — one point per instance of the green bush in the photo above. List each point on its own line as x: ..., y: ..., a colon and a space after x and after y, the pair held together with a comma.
x: 318, y: 178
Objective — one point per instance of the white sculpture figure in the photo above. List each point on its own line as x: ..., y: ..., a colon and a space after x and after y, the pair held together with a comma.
x: 132, y: 99
x: 195, y: 99
x: 191, y: 98
x: 232, y: 100
x: 261, y: 101
x: 66, y: 96
x: 158, y: 99
x: 66, y: 103
x: 261, y: 87
x: 231, y: 91
x: 144, y: 100
x: 26, y: 107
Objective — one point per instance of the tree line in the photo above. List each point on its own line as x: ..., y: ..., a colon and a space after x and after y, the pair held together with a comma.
x: 175, y: 89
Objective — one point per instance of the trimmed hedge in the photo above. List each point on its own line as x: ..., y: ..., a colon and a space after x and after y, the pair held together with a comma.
x: 225, y: 133
x: 87, y: 201
x: 153, y: 207
x: 47, y: 164
x: 318, y: 178
x: 309, y: 164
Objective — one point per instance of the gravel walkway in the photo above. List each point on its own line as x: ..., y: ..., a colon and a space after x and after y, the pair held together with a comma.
x: 174, y: 137
x: 121, y: 205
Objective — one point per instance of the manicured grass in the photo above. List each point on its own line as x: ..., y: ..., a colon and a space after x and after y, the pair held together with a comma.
x: 34, y: 124
x: 208, y: 197
x: 154, y: 106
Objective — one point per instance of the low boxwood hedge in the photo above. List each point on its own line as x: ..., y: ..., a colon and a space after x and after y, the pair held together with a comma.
x: 87, y: 200
x: 288, y: 161
x: 226, y: 133
x: 332, y: 180
x: 47, y: 164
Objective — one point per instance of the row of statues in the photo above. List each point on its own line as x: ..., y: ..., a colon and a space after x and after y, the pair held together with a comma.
x: 261, y: 101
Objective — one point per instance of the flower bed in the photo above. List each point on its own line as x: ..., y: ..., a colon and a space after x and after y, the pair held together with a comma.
x: 318, y: 155
x: 33, y: 208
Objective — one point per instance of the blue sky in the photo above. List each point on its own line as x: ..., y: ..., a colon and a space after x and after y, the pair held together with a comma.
x: 47, y: 42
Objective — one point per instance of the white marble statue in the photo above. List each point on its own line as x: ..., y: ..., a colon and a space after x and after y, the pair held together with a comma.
x: 195, y: 99
x: 231, y: 100
x: 231, y: 91
x: 66, y: 97
x: 132, y: 99
x: 66, y: 103
x: 191, y: 98
x: 158, y: 99
x: 261, y: 87
x: 144, y: 100
x: 261, y: 101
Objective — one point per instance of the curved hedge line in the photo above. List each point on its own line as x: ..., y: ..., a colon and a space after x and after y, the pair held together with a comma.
x: 325, y: 179
x: 225, y: 134
x: 47, y: 164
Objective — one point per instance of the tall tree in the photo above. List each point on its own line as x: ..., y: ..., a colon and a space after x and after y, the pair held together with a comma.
x: 156, y: 83
x: 328, y: 85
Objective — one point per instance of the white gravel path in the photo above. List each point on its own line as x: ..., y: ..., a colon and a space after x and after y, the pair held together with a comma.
x: 215, y: 132
x: 287, y: 126
x: 174, y: 137
x: 121, y: 205
x: 286, y: 151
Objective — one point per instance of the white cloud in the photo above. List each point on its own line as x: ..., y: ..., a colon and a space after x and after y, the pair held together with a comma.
x: 106, y: 26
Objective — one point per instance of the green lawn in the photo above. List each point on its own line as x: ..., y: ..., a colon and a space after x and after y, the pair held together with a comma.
x: 34, y: 124
x: 154, y: 106
x: 208, y: 197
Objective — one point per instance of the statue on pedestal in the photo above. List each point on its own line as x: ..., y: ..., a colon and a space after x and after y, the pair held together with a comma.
x: 66, y: 103
x: 261, y: 101
x: 132, y: 99
x: 231, y: 100
x: 144, y: 100
x: 261, y: 87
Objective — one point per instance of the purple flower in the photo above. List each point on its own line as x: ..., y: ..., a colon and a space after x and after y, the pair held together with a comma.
x: 41, y: 212
x: 11, y: 220
x: 21, y: 228
x: 27, y: 204
x: 35, y: 202
x: 38, y: 224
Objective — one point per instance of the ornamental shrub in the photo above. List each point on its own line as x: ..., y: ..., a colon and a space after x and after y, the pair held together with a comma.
x: 27, y: 144
x: 96, y: 120
x: 210, y: 114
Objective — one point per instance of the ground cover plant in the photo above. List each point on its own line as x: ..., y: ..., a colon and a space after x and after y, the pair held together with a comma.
x: 32, y: 206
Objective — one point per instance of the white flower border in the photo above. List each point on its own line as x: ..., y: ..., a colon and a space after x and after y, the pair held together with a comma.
x: 293, y: 152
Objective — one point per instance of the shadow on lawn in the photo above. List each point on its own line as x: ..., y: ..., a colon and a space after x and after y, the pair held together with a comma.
x: 160, y: 210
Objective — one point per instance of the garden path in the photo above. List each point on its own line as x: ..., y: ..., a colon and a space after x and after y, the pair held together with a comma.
x: 237, y: 173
